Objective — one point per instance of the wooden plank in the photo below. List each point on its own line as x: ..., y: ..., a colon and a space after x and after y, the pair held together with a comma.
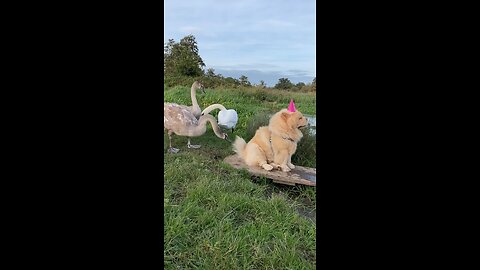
x: 300, y: 175
x: 283, y: 183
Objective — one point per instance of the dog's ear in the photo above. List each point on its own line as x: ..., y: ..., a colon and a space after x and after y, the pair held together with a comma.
x: 285, y: 116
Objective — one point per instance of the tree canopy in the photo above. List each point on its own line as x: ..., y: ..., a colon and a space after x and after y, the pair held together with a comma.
x: 182, y: 58
x: 284, y: 83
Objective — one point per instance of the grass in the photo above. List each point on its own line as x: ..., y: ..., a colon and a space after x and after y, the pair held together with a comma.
x: 218, y: 217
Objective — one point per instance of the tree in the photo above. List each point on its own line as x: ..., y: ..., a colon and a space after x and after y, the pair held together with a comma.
x: 300, y: 85
x: 210, y: 72
x: 244, y: 81
x: 232, y: 81
x: 182, y: 58
x: 284, y: 83
x: 262, y: 84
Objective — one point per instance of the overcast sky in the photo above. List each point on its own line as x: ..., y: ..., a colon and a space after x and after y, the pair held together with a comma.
x: 261, y: 39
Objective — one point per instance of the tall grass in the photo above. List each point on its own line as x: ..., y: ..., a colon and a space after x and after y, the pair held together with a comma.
x: 233, y: 97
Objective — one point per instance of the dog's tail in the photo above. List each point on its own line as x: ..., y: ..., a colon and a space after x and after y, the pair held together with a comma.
x: 239, y: 146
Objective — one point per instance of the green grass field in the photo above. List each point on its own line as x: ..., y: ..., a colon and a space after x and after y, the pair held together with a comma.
x: 218, y: 217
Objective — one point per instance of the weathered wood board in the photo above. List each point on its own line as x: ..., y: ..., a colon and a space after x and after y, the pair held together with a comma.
x: 300, y: 175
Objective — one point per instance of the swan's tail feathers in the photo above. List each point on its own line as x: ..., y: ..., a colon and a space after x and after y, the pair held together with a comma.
x: 239, y: 146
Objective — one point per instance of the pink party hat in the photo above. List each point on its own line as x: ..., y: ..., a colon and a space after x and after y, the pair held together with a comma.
x: 291, y: 107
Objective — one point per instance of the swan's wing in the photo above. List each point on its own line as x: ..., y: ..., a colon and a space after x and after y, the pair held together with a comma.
x: 228, y: 118
x: 234, y: 115
x: 175, y: 105
x: 178, y: 117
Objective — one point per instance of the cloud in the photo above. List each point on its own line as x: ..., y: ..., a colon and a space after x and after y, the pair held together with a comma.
x: 297, y: 72
x: 261, y: 35
x: 190, y: 29
x: 247, y: 66
x: 276, y: 23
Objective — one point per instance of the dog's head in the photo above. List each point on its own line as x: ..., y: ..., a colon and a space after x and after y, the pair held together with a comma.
x: 284, y: 122
x: 294, y: 120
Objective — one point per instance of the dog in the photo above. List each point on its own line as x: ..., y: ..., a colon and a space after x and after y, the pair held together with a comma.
x: 273, y: 145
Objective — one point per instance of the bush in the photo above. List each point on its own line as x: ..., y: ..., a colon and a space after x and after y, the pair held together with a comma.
x: 256, y: 122
x: 306, y: 154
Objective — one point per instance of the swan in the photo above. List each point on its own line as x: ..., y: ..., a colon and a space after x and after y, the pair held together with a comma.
x: 180, y: 121
x: 226, y: 118
x: 195, y: 108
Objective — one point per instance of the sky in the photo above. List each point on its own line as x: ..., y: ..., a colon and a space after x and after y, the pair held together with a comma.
x: 261, y: 39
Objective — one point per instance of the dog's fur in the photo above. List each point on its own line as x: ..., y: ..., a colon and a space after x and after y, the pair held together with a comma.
x: 284, y: 132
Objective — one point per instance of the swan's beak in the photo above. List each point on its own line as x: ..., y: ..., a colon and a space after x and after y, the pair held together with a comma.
x: 226, y: 138
x: 203, y: 91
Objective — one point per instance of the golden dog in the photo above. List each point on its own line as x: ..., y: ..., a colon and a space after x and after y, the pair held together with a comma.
x: 273, y: 145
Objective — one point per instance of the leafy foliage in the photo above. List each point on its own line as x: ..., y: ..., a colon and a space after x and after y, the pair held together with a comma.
x: 182, y: 58
x: 244, y: 81
x: 262, y: 84
x: 300, y: 85
x: 284, y: 83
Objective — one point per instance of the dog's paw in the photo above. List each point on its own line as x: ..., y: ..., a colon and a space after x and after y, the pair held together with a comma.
x: 291, y: 166
x: 267, y: 167
x: 275, y: 165
x: 285, y: 168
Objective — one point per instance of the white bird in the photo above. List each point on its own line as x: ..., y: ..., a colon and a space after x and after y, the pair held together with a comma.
x: 226, y: 118
x: 180, y: 121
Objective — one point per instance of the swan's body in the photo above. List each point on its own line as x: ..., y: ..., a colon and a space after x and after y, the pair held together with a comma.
x: 195, y: 108
x: 181, y: 121
x: 226, y: 118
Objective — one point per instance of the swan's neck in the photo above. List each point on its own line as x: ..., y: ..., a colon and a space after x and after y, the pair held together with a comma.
x: 213, y: 107
x: 208, y: 118
x: 194, y: 97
